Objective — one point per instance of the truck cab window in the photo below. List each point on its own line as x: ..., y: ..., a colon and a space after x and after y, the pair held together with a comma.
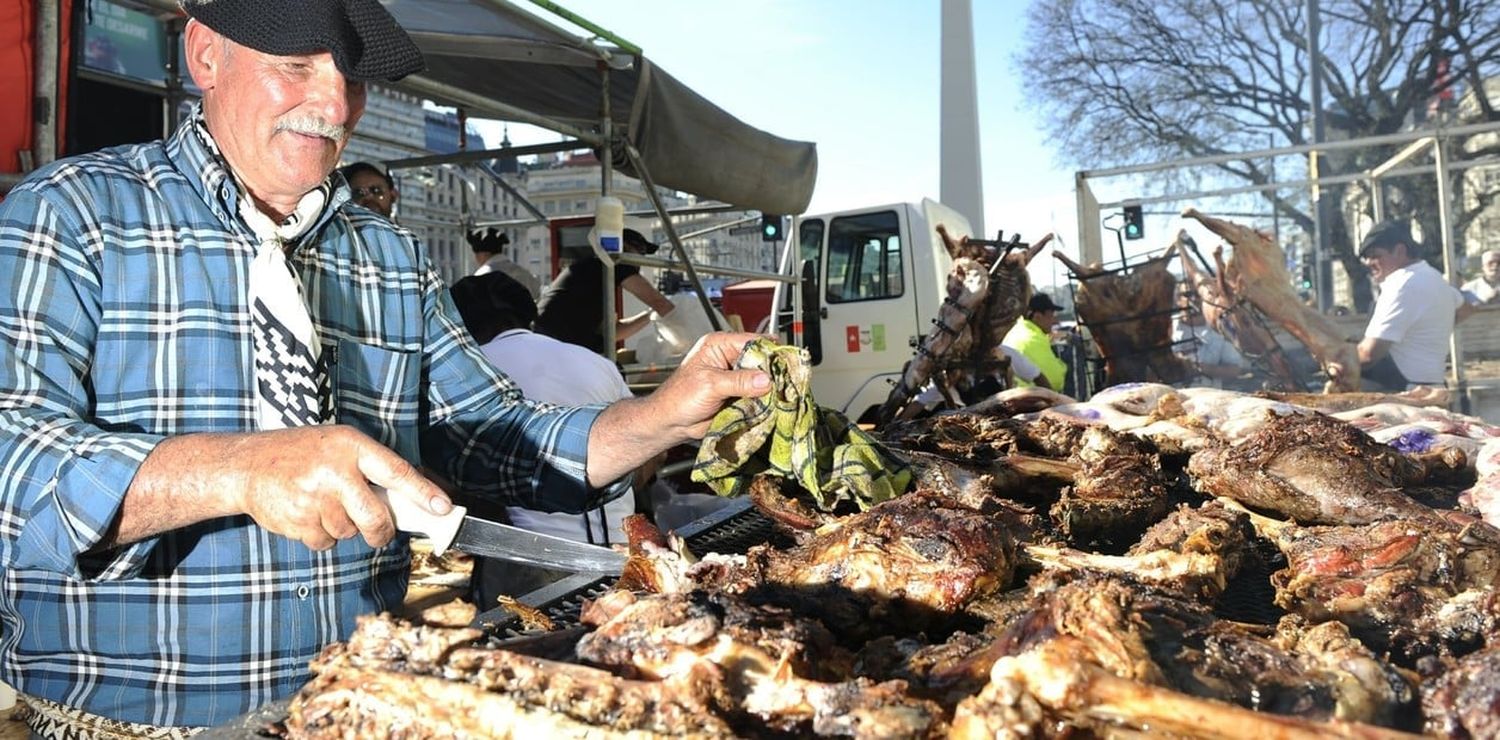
x: 864, y: 258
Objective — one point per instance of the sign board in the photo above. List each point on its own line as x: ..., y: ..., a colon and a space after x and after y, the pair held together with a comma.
x: 124, y: 42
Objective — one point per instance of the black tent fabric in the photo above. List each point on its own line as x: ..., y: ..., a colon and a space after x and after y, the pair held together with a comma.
x: 503, y: 53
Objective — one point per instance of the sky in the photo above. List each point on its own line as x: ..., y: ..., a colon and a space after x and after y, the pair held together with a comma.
x: 860, y: 78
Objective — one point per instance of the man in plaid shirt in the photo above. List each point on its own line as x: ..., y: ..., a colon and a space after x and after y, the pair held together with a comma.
x: 166, y: 563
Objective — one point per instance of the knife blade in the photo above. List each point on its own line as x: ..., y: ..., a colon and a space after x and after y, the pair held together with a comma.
x: 491, y: 539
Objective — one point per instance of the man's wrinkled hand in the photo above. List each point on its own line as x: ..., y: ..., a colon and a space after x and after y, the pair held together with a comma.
x: 312, y: 484
x: 705, y: 382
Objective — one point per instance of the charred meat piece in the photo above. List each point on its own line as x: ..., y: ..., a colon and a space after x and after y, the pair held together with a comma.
x: 1195, y: 553
x: 1464, y: 702
x: 903, y: 566
x: 393, y: 679
x: 1314, y: 469
x: 1057, y: 684
x: 1148, y: 637
x: 771, y: 662
x: 999, y: 485
x: 1119, y: 490
x: 1416, y: 586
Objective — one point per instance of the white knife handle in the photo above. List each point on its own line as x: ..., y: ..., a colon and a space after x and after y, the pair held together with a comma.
x: 413, y: 517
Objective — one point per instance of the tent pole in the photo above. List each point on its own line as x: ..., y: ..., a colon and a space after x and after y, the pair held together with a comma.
x: 48, y: 25
x: 666, y: 224
x: 606, y: 182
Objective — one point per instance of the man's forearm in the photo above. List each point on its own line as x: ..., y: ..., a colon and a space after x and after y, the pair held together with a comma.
x: 625, y: 436
x: 180, y: 483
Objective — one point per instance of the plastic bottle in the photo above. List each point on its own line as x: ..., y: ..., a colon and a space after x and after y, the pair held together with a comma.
x: 609, y: 223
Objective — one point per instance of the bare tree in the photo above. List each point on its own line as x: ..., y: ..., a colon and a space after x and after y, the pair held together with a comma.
x: 1135, y: 81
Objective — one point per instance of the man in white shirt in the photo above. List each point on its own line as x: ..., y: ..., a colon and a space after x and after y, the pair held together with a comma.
x: 498, y: 312
x: 1406, y: 342
x: 1485, y: 288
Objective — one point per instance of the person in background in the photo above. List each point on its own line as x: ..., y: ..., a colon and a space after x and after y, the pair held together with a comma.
x: 1485, y: 289
x: 489, y: 252
x: 1032, y: 337
x: 1211, y: 356
x: 215, y: 377
x: 498, y: 312
x: 572, y: 307
x: 1406, y: 342
x: 371, y: 187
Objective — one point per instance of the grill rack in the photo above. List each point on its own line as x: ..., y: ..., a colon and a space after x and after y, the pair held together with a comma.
x: 732, y: 530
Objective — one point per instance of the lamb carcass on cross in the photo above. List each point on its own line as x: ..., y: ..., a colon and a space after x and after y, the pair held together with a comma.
x: 1129, y: 315
x: 1237, y: 320
x: 1257, y: 273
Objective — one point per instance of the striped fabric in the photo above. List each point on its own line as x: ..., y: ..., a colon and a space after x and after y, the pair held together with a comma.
x: 124, y: 319
x: 785, y: 433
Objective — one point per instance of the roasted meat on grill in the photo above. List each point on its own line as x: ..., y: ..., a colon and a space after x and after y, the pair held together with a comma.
x: 780, y: 670
x: 1314, y: 469
x: 1464, y: 701
x: 394, y: 679
x: 903, y: 566
x: 1119, y: 490
x: 1420, y: 586
x: 1194, y: 553
x: 1092, y: 644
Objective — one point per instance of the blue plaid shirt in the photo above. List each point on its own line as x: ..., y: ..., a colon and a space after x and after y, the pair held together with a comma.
x: 123, y: 320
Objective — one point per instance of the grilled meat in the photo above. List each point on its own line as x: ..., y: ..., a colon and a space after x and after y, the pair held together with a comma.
x: 1194, y: 553
x: 903, y: 566
x: 1057, y: 684
x: 1238, y: 321
x: 782, y: 671
x: 1314, y: 469
x: 1464, y: 702
x: 394, y: 679
x: 1104, y: 632
x: 1417, y: 586
x: 1119, y: 490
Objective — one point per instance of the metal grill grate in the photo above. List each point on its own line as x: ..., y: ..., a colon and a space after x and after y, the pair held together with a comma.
x: 731, y: 530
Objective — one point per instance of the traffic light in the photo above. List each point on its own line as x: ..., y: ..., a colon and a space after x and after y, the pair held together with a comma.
x: 771, y: 228
x: 1135, y: 222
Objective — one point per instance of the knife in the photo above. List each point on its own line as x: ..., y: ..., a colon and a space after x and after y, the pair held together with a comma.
x: 483, y: 537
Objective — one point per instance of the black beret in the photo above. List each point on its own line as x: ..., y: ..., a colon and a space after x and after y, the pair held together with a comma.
x: 365, y: 41
x: 1388, y: 234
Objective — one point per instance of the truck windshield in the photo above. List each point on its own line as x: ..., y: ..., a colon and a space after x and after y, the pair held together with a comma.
x: 864, y: 257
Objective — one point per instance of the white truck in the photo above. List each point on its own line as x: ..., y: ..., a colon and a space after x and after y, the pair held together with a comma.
x: 872, y: 282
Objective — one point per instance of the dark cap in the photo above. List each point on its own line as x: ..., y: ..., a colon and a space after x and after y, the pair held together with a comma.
x: 365, y: 41
x: 1388, y: 234
x: 636, y: 239
x: 1041, y: 302
x: 491, y: 303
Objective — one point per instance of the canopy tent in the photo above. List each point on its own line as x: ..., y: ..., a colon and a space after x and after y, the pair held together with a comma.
x: 495, y: 59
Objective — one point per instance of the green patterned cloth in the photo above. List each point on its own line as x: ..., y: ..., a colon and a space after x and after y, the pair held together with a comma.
x: 785, y: 433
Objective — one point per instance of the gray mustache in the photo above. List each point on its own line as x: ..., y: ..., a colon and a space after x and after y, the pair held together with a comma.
x: 313, y: 127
